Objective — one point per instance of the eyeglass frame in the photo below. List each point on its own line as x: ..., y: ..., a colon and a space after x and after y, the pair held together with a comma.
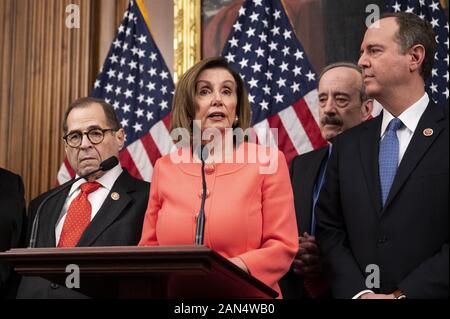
x: 87, y: 135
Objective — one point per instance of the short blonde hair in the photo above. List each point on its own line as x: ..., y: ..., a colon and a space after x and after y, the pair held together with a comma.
x: 183, y: 106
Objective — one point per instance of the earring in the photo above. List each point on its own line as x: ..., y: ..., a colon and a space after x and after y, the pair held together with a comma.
x: 236, y: 120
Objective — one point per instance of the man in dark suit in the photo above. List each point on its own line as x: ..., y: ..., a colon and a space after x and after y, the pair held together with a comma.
x: 12, y: 226
x: 383, y: 211
x: 343, y: 104
x: 106, y: 210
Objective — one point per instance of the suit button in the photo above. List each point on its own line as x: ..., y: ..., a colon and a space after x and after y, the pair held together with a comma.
x: 54, y: 286
x: 382, y: 240
x: 209, y: 169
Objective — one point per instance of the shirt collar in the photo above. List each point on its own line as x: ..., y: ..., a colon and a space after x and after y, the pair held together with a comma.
x: 107, y: 181
x: 410, y: 117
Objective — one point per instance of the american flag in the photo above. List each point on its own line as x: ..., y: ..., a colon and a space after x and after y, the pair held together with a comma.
x: 264, y: 49
x: 431, y: 10
x: 135, y: 80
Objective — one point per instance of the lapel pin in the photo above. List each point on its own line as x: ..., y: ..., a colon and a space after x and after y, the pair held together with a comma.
x: 115, y: 196
x: 428, y: 132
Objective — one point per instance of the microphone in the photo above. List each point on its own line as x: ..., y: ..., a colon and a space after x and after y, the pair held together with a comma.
x: 200, y: 228
x: 106, y: 165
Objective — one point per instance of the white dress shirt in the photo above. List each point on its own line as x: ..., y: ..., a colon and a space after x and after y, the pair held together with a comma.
x: 410, y: 118
x: 95, y: 198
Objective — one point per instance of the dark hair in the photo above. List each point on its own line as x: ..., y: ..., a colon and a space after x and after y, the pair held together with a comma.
x: 413, y: 30
x: 362, y: 92
x: 111, y: 116
x: 183, y: 106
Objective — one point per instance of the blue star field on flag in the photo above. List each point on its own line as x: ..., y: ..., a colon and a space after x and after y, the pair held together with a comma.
x: 134, y: 78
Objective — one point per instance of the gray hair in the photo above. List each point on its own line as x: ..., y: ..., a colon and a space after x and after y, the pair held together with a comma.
x: 362, y: 92
x: 111, y: 116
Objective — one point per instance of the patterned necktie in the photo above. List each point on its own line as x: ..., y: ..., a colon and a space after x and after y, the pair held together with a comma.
x: 78, y: 216
x: 388, y: 157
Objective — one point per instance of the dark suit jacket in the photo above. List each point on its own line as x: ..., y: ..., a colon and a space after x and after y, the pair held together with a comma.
x: 408, y: 238
x: 12, y: 225
x: 117, y: 223
x: 304, y: 172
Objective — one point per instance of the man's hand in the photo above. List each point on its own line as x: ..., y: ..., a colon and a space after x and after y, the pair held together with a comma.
x: 307, y: 262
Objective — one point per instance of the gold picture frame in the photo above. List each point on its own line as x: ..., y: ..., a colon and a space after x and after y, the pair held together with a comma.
x: 187, y: 35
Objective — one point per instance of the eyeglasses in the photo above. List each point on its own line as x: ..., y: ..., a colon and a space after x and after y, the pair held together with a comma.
x: 95, y: 136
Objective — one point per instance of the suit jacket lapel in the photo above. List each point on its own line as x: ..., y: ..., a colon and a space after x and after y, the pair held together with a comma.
x: 369, y: 144
x: 110, y: 210
x: 49, y: 216
x: 417, y: 148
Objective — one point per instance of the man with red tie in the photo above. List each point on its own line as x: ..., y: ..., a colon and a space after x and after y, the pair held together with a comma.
x: 106, y: 209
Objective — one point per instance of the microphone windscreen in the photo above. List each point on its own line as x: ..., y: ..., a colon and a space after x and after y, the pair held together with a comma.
x: 109, y: 163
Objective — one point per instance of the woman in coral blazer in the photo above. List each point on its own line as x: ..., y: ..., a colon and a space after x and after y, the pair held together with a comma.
x: 249, y: 211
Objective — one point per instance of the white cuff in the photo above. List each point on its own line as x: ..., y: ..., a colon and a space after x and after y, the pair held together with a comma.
x: 362, y: 293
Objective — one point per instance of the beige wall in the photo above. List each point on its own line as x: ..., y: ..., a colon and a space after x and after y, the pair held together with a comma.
x: 161, y: 19
x: 44, y: 66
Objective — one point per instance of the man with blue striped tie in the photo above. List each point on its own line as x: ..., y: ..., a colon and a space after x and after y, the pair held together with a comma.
x: 383, y: 211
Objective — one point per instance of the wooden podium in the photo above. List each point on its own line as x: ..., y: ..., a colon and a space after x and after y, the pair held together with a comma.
x: 141, y: 272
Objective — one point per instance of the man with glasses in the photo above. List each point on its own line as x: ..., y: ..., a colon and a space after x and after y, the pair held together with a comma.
x: 107, y: 209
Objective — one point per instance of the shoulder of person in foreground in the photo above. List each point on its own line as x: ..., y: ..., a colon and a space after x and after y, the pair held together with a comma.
x: 10, y: 183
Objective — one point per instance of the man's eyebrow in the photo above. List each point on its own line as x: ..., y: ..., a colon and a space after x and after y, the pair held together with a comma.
x: 73, y: 131
x: 91, y: 127
x: 374, y: 45
x: 342, y: 93
x: 335, y: 94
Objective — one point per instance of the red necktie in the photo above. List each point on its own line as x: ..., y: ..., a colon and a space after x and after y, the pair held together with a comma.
x: 78, y: 216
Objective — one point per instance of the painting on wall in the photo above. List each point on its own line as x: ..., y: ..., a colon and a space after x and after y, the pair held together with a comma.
x: 329, y: 30
x: 218, y: 17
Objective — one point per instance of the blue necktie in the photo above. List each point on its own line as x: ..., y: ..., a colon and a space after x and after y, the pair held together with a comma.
x: 388, y: 157
x: 317, y: 188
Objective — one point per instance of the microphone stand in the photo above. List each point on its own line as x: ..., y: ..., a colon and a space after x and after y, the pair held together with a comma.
x: 200, y: 229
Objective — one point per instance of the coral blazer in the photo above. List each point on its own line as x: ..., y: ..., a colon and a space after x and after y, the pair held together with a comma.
x: 248, y: 214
